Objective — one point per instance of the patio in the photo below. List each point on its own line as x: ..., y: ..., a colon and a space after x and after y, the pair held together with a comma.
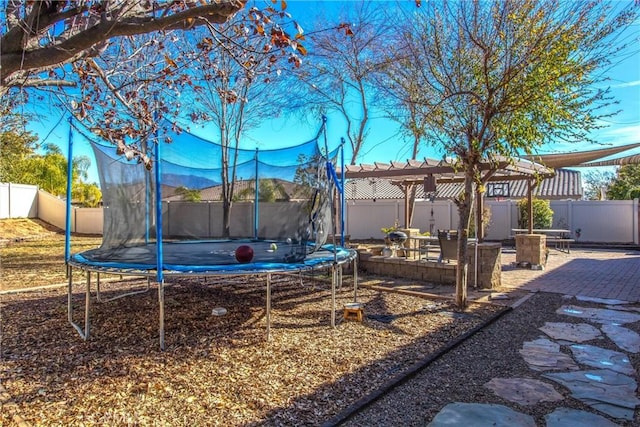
x: 591, y: 272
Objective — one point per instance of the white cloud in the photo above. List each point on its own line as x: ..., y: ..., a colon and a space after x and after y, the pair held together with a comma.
x: 631, y: 133
x: 627, y: 84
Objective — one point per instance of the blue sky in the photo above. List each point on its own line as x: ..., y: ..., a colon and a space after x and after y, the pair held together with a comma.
x: 384, y: 145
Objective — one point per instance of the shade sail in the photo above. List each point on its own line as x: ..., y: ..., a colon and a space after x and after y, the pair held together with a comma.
x: 564, y: 160
x: 627, y: 160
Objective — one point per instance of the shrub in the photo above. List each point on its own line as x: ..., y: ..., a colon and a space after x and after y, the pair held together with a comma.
x: 542, y: 213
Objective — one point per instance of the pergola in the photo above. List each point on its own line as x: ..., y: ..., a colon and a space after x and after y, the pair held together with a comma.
x: 429, y: 172
x: 531, y: 168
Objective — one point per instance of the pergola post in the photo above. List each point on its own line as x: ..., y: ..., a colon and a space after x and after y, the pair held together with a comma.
x: 407, y: 219
x: 530, y: 203
x: 479, y: 225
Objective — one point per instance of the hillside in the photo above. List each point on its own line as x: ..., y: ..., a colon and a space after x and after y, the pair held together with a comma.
x: 12, y: 229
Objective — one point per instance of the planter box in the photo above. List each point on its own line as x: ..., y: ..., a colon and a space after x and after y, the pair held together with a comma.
x: 531, y: 249
x: 489, y: 273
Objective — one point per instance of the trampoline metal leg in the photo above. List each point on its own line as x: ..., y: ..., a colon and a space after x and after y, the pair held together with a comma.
x: 268, y: 306
x: 355, y: 280
x: 334, y: 277
x: 84, y: 334
x: 161, y: 310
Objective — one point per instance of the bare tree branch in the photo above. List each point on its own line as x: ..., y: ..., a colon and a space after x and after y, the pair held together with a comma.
x: 18, y: 61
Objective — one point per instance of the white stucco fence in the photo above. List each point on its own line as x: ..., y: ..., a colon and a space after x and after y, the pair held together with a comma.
x: 609, y: 221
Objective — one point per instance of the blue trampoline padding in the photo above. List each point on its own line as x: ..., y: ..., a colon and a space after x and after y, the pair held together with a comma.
x: 213, y: 256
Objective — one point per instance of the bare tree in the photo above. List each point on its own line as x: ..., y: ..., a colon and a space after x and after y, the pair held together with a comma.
x: 402, y: 97
x: 506, y: 76
x: 596, y: 184
x: 338, y: 76
x: 239, y: 86
x: 125, y: 89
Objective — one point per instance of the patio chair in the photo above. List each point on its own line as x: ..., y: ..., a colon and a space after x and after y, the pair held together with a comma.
x: 448, y: 240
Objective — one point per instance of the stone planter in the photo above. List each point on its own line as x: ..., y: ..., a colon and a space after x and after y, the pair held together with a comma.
x: 531, y: 249
x: 489, y: 265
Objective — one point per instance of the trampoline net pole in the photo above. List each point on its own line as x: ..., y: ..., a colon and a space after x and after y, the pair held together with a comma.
x: 69, y: 294
x: 161, y: 311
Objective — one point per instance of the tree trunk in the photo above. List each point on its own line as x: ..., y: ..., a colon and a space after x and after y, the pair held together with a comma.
x: 226, y: 218
x: 464, y: 211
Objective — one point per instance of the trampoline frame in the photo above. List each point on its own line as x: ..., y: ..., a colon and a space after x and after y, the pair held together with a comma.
x: 336, y: 265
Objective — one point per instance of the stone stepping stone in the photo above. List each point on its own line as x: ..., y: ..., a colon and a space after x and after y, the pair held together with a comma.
x: 600, y: 315
x: 563, y: 417
x: 524, y: 391
x: 480, y: 415
x: 606, y: 391
x: 623, y: 308
x: 609, y: 301
x: 602, y: 358
x: 574, y: 332
x: 544, y: 355
x: 624, y: 338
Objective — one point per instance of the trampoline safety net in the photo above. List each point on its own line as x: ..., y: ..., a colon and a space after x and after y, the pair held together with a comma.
x: 279, y: 200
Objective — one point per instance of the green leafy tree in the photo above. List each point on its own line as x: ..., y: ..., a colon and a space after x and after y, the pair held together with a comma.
x: 503, y: 77
x: 49, y: 172
x: 267, y: 191
x: 542, y: 213
x: 626, y: 184
x: 87, y: 195
x: 189, y: 194
x: 14, y: 149
x: 270, y: 190
x: 20, y: 163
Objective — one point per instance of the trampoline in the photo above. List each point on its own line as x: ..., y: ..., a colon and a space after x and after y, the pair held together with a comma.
x: 149, y: 231
x: 215, y: 257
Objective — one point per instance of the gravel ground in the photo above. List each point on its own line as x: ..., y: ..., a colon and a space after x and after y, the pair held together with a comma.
x: 222, y: 371
x: 216, y: 370
x: 460, y: 375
